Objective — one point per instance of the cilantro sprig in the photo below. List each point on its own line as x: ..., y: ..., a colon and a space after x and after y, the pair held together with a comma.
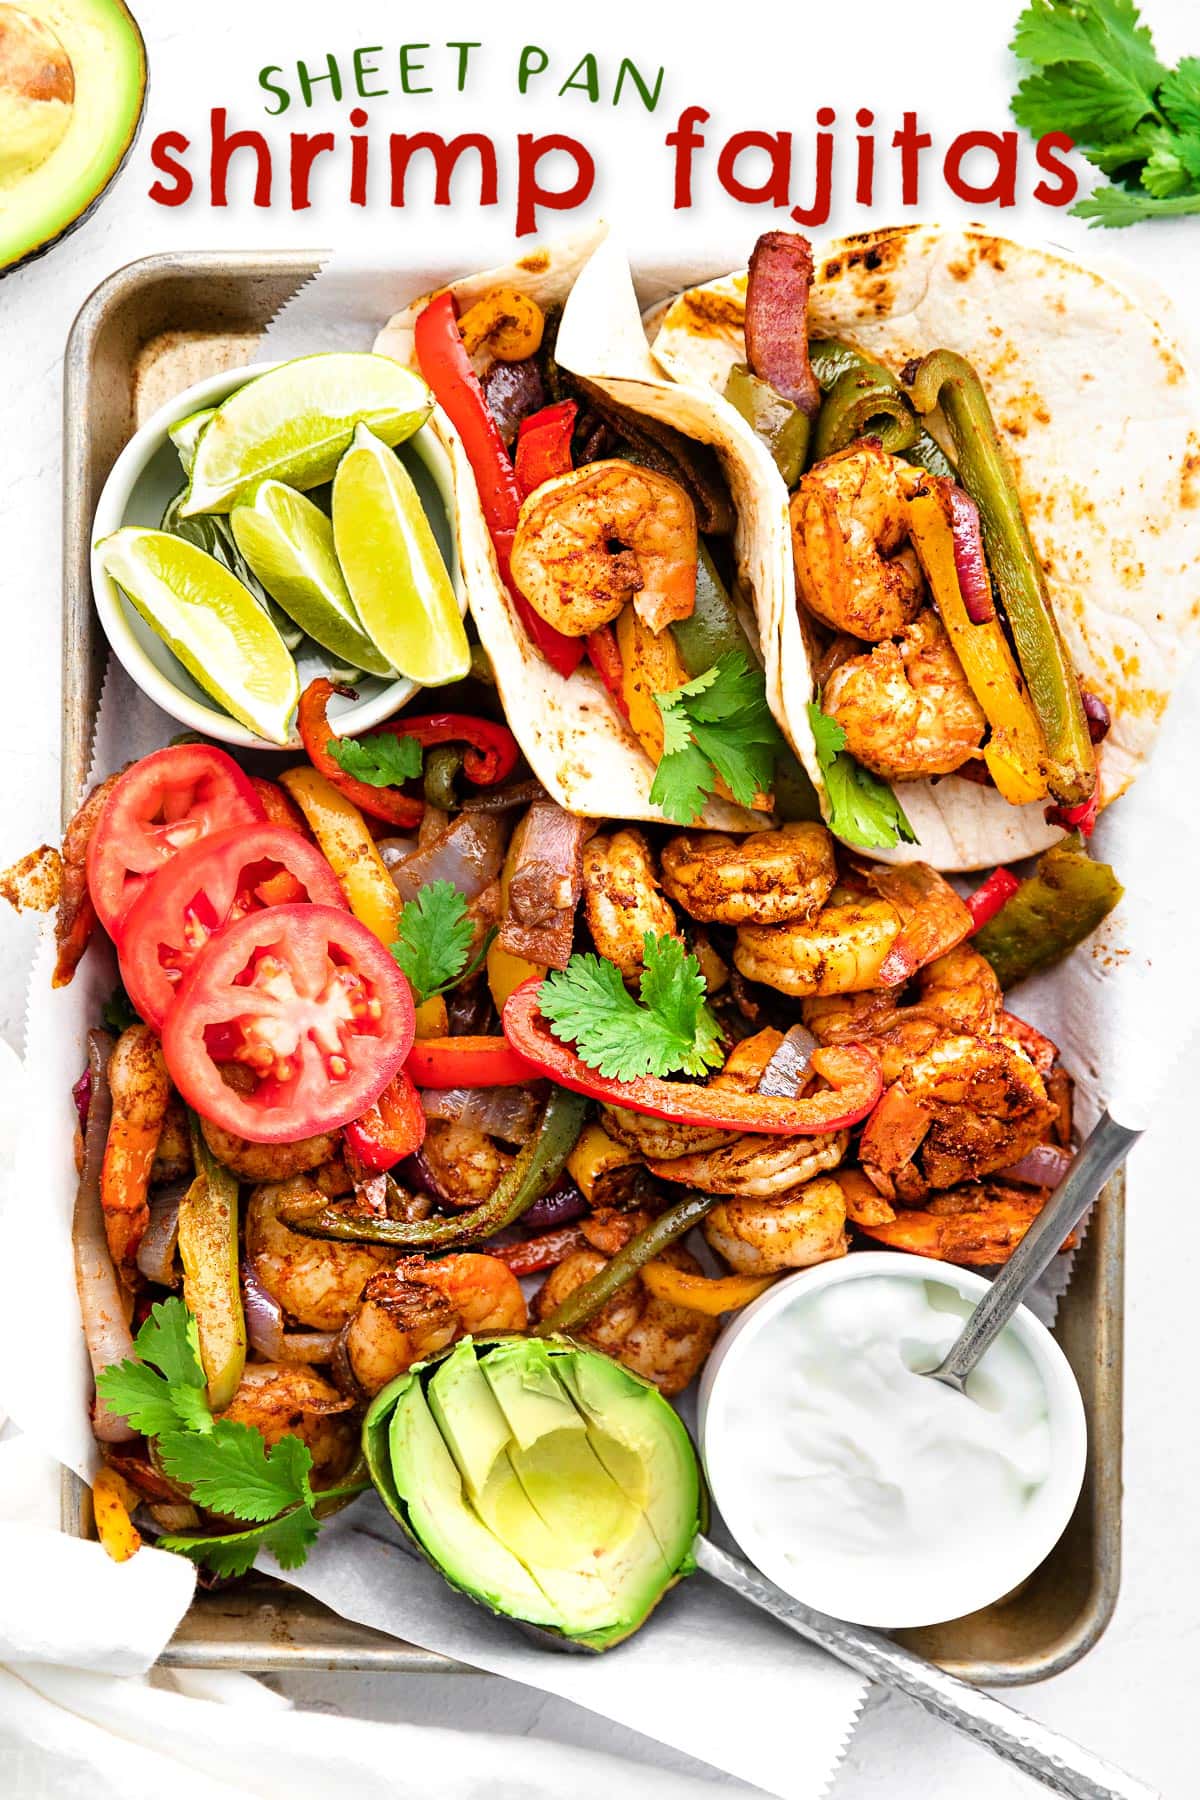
x: 670, y: 1030
x: 383, y: 761
x: 225, y: 1465
x: 434, y: 939
x: 1098, y: 78
x: 718, y: 725
x: 862, y: 809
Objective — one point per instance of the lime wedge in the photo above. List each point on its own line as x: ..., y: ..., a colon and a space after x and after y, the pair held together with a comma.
x: 186, y: 435
x: 295, y: 422
x: 393, y: 567
x: 207, y: 619
x: 212, y: 534
x: 288, y: 543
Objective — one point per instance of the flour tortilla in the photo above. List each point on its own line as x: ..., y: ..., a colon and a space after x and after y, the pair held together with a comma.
x: 1100, y: 417
x: 574, y: 740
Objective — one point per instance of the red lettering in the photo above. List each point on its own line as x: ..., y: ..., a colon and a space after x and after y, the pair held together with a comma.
x: 531, y: 194
x: 775, y: 188
x: 910, y: 142
x: 1064, y: 189
x: 818, y: 212
x: 1002, y: 187
x: 685, y: 140
x: 864, y: 187
x: 223, y: 149
x: 358, y: 159
x: 305, y: 151
x: 164, y: 159
x: 445, y: 157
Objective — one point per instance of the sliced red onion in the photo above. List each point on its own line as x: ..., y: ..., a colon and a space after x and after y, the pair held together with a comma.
x: 416, y: 1172
x: 395, y: 850
x: 970, y: 563
x: 81, y: 1094
x: 156, y: 1252
x: 513, y: 392
x: 781, y: 272
x: 1043, y: 1166
x: 101, y: 1303
x: 1099, y: 719
x: 509, y: 1113
x: 561, y: 1206
x: 517, y: 793
x: 468, y: 854
x: 788, y: 1068
x: 546, y: 883
x: 264, y: 1328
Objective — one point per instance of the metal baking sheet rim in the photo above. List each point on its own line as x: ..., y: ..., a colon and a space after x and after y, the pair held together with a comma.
x: 261, y: 1624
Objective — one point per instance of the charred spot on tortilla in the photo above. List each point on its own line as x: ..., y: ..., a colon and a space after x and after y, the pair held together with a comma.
x: 536, y: 263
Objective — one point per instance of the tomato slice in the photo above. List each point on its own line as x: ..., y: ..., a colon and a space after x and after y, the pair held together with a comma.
x: 468, y: 1062
x: 165, y: 803
x: 308, y: 1004
x: 201, y: 890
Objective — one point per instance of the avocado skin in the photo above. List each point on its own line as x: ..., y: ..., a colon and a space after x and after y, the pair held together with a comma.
x: 45, y: 245
x: 375, y: 1439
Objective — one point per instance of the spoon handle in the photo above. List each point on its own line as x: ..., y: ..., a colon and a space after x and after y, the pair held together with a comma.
x: 1056, y: 1761
x: 1104, y: 1149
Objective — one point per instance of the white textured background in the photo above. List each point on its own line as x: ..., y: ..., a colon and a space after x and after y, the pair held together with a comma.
x: 1134, y: 1697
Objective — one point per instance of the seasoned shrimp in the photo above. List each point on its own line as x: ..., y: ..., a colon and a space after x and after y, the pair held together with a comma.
x: 268, y: 1162
x: 969, y: 1106
x: 855, y: 568
x: 665, y: 1343
x: 418, y: 1308
x: 957, y: 992
x: 590, y: 541
x: 173, y: 1153
x: 76, y: 917
x: 756, y: 1237
x: 466, y: 1164
x: 289, y: 1400
x: 658, y: 1138
x: 838, y: 951
x: 755, y: 1165
x: 767, y: 879
x: 975, y: 1224
x: 906, y: 707
x: 318, y: 1283
x: 622, y: 901
x: 141, y: 1093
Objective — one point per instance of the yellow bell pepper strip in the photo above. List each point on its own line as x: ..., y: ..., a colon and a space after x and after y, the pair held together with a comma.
x: 208, y: 1250
x: 506, y: 322
x: 851, y: 1071
x: 432, y: 1019
x: 349, y: 848
x: 947, y: 380
x: 704, y: 1293
x: 113, y: 1501
x: 1015, y: 753
x: 591, y: 1296
x: 594, y: 1156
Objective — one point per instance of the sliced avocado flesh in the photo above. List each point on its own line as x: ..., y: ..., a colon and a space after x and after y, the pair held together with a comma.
x: 428, y: 1483
x: 51, y: 177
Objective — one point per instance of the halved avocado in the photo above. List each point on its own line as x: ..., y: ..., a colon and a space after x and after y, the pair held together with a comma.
x: 72, y: 93
x: 542, y: 1479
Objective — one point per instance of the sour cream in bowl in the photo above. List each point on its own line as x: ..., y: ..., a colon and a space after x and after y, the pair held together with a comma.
x: 860, y: 1487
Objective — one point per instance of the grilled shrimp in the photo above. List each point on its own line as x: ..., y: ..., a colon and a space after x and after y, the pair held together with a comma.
x: 173, y: 1152
x: 666, y: 1344
x: 855, y: 569
x: 590, y: 541
x: 969, y: 1106
x: 658, y: 1138
x: 755, y: 1165
x: 957, y: 992
x: 466, y: 1164
x: 268, y: 1162
x: 838, y: 951
x: 318, y: 1283
x: 756, y: 1237
x: 975, y: 1224
x: 289, y: 1400
x: 418, y: 1308
x: 75, y: 920
x: 622, y: 901
x: 141, y: 1093
x: 906, y: 707
x: 767, y: 879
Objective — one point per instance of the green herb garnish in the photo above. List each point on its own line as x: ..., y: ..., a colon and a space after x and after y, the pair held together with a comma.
x: 862, y: 809
x: 718, y: 725
x: 670, y: 1030
x: 383, y: 761
x: 434, y: 940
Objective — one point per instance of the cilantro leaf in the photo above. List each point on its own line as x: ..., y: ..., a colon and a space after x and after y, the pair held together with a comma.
x: 1120, y: 206
x: 231, y: 1470
x: 1105, y: 37
x: 671, y: 1030
x: 165, y: 1388
x: 170, y: 1340
x: 138, y: 1393
x: 863, y: 809
x: 289, y: 1539
x: 383, y: 761
x: 716, y: 726
x: 1179, y: 96
x: 433, y: 940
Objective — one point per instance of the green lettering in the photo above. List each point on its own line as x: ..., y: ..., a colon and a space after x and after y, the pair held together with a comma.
x: 527, y: 66
x: 408, y: 67
x: 333, y: 76
x: 589, y: 85
x: 270, y: 87
x: 649, y: 97
x: 363, y: 69
x: 464, y: 52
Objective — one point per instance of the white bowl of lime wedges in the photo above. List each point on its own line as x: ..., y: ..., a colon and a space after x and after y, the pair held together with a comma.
x: 217, y: 651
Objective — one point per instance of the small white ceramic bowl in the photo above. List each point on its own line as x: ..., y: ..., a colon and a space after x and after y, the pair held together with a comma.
x: 997, y: 1574
x: 145, y: 477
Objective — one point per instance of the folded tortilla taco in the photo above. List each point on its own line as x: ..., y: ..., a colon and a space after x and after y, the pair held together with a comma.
x: 620, y: 565
x: 989, y: 454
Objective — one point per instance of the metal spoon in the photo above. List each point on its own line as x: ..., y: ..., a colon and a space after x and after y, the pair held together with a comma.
x: 1103, y: 1151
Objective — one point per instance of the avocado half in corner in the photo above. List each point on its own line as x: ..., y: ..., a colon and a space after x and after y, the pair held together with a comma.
x: 542, y: 1479
x: 72, y: 93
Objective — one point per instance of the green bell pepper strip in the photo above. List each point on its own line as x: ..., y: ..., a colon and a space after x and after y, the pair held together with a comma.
x: 783, y: 428
x: 537, y: 1167
x: 443, y: 766
x: 208, y: 1250
x: 1059, y: 905
x: 591, y: 1296
x: 947, y: 380
x: 833, y: 361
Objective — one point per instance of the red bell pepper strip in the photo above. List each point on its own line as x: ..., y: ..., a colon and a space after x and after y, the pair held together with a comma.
x: 388, y: 1131
x: 454, y: 1062
x: 990, y: 896
x: 544, y: 445
x: 851, y: 1070
x: 316, y: 734
x: 282, y: 889
x: 1081, y: 818
x: 447, y: 368
x: 531, y: 1255
x: 605, y: 657
x: 492, y: 750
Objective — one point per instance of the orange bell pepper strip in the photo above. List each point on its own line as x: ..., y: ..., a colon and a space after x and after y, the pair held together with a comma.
x: 316, y: 732
x: 141, y: 1092
x: 1015, y: 754
x: 113, y: 1501
x: 704, y: 1293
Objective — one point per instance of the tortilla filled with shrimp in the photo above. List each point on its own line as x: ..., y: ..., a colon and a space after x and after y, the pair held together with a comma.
x: 987, y: 453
